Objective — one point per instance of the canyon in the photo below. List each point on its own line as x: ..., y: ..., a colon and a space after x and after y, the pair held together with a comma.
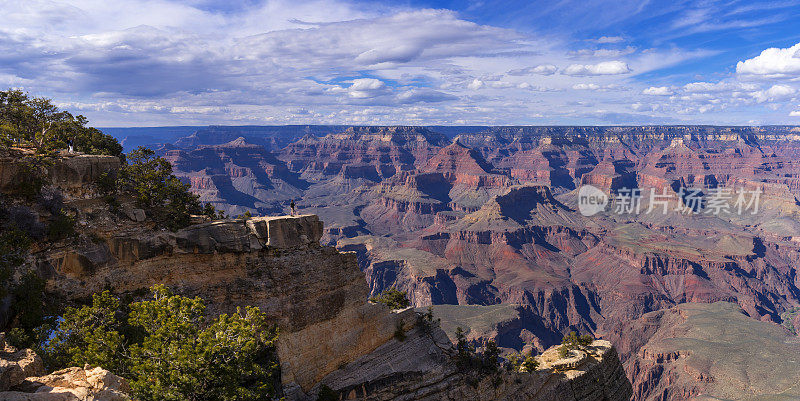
x: 491, y: 216
x: 330, y: 335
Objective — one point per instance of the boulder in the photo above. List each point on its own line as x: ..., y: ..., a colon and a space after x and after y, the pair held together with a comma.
x: 137, y: 215
x: 16, y: 365
x: 287, y: 231
x: 73, y: 384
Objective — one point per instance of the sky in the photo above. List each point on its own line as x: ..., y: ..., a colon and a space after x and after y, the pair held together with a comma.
x: 411, y: 62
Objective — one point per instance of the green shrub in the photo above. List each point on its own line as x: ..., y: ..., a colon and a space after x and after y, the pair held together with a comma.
x: 107, y: 183
x: 426, y: 322
x: 517, y: 362
x: 33, y: 312
x: 513, y: 362
x: 169, y: 350
x: 392, y: 298
x: 464, y: 351
x: 490, y: 358
x: 90, y: 335
x: 573, y: 341
x: 62, y: 226
x: 530, y: 364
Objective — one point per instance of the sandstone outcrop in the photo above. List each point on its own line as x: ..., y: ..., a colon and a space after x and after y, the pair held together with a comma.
x: 316, y: 295
x: 22, y: 378
x: 72, y: 384
x: 16, y: 365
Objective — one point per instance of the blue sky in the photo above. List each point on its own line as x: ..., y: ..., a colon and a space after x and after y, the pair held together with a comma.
x: 159, y: 62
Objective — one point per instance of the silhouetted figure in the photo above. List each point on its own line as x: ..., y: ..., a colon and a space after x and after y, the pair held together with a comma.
x: 291, y: 205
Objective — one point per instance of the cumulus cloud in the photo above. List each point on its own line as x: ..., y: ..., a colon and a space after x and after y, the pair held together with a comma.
x: 365, y: 87
x: 774, y: 93
x: 604, y: 68
x: 773, y: 63
x: 476, y: 84
x: 542, y: 69
x: 795, y: 113
x: 658, y: 91
x: 586, y: 86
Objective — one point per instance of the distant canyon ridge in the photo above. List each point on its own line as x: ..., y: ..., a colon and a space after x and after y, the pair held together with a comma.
x: 483, y: 223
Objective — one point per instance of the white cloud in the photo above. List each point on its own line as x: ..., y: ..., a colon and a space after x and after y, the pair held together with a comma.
x: 595, y: 87
x: 658, y: 91
x: 424, y: 95
x: 542, y: 69
x: 535, y: 88
x: 604, y: 68
x: 476, y: 84
x: 603, y: 53
x: 715, y: 87
x: 795, y: 113
x: 609, y: 39
x: 773, y: 63
x: 365, y: 87
x: 366, y: 84
x: 198, y: 109
x: 138, y: 62
x: 774, y: 93
x: 586, y: 86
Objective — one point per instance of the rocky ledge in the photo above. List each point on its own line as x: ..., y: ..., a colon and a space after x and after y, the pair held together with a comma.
x: 22, y: 378
x: 419, y: 369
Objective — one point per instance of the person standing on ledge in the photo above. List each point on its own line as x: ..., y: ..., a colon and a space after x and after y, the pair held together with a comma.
x: 291, y: 205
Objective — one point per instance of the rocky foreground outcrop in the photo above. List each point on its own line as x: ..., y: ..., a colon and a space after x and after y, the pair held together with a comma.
x: 316, y: 295
x: 22, y: 378
x: 419, y: 369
